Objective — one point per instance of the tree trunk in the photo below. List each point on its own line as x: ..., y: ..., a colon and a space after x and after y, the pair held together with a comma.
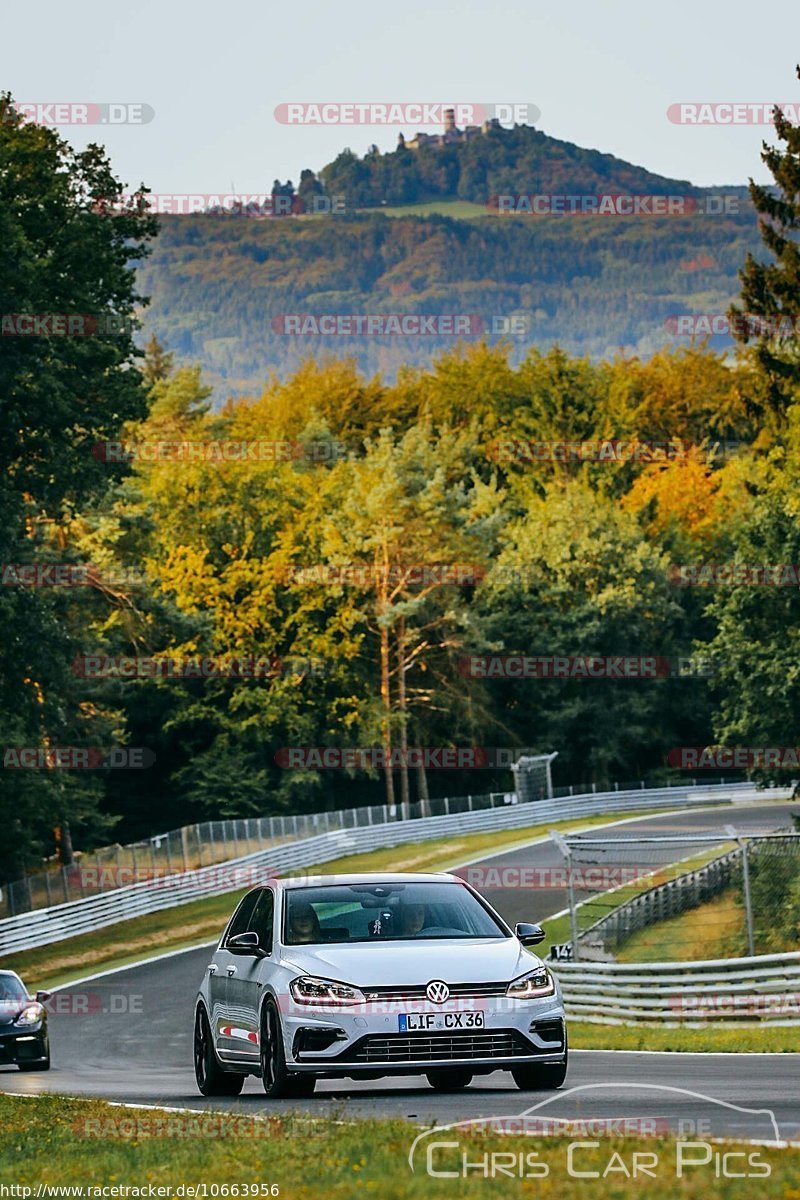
x: 64, y: 842
x: 422, y: 788
x: 405, y: 810
x: 386, y: 696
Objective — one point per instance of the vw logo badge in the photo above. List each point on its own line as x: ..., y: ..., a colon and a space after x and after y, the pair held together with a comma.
x: 437, y: 992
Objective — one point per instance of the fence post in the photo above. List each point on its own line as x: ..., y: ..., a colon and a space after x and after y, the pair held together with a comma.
x: 748, y: 904
x: 573, y: 915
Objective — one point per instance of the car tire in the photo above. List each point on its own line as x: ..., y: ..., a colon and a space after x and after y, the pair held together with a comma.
x: 41, y: 1064
x: 210, y: 1077
x: 279, y: 1083
x: 544, y: 1077
x: 449, y: 1079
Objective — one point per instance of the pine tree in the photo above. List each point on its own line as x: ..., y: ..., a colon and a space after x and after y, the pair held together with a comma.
x: 771, y: 290
x: 158, y: 362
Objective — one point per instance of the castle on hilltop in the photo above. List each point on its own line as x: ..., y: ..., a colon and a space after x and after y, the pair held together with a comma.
x: 451, y: 136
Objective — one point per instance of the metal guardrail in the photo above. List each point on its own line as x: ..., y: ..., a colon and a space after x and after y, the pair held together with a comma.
x: 48, y: 925
x: 662, y: 901
x: 764, y: 988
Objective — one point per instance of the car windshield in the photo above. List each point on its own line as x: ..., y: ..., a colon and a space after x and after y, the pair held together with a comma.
x: 12, y: 994
x: 380, y: 912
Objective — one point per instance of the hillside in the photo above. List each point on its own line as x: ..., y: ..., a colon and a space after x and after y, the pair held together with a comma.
x: 221, y: 286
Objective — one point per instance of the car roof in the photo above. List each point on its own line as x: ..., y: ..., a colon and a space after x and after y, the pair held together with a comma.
x: 11, y: 974
x: 383, y: 877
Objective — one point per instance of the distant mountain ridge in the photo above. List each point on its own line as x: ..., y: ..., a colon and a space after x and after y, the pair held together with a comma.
x: 520, y: 160
x: 223, y: 286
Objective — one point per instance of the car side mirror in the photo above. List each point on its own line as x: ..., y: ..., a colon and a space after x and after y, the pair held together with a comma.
x: 245, y: 943
x: 41, y: 997
x: 529, y: 935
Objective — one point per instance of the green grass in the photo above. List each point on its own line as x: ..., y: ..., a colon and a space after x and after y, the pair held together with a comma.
x: 709, y: 931
x: 202, y: 920
x: 461, y: 209
x: 708, y: 1039
x: 58, y: 1141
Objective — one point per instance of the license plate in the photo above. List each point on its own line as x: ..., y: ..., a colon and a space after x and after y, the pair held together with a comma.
x: 422, y: 1022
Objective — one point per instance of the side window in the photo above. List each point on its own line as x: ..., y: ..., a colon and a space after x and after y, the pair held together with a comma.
x: 240, y: 922
x: 262, y: 918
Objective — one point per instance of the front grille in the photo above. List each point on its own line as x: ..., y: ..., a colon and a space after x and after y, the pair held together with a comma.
x: 417, y: 991
x: 418, y: 1047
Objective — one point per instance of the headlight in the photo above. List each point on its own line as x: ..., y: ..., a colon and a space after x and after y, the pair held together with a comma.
x: 31, y: 1015
x: 538, y: 983
x: 309, y: 990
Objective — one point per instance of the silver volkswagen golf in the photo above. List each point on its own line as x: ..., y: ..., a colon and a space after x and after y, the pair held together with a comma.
x: 363, y: 976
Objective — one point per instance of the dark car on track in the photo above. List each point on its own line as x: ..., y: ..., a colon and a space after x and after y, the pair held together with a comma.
x: 24, y: 1040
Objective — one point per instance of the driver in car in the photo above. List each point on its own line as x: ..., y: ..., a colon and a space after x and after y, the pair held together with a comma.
x: 304, y: 924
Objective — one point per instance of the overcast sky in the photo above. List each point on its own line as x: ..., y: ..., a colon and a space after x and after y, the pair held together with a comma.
x: 602, y: 74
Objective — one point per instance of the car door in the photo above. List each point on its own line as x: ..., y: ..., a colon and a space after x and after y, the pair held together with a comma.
x: 245, y: 982
x: 222, y: 969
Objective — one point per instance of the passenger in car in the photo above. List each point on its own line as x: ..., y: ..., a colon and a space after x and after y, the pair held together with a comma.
x: 414, y: 919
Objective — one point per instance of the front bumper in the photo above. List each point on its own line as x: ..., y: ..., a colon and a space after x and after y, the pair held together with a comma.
x: 351, y: 1043
x: 22, y: 1045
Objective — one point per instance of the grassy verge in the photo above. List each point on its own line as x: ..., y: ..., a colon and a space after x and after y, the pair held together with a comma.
x: 461, y: 209
x: 54, y: 1141
x: 202, y: 920
x: 708, y: 931
x: 708, y: 1039
x: 597, y: 907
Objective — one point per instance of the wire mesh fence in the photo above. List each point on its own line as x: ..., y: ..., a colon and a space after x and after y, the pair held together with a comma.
x: 682, y: 897
x: 207, y: 844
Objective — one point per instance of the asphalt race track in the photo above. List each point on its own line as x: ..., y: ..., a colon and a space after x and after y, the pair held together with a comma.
x: 128, y: 1037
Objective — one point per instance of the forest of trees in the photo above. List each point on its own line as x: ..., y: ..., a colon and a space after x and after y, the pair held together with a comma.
x: 194, y: 554
x: 220, y: 286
